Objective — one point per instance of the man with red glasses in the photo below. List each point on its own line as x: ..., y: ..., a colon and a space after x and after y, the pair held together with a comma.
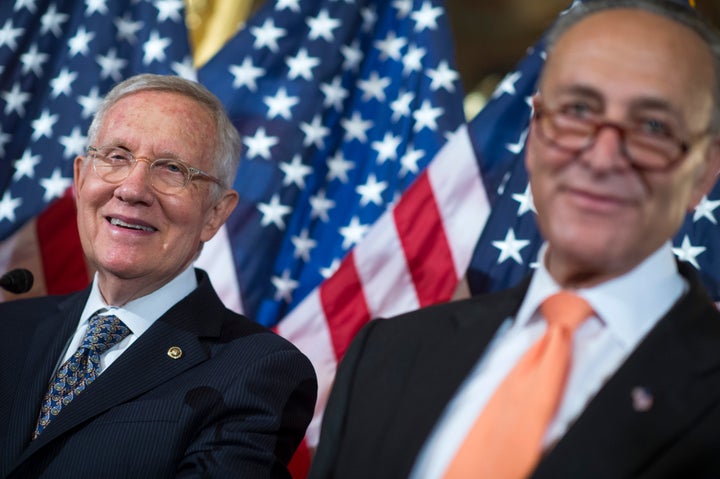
x: 145, y: 373
x: 605, y: 363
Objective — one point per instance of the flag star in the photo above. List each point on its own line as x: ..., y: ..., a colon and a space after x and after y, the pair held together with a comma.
x: 127, y: 29
x: 246, y: 74
x: 355, y: 127
x: 62, y: 84
x: 688, y: 252
x: 426, y: 117
x: 516, y: 148
x: 301, y: 65
x: 110, y: 65
x: 284, y: 286
x: 369, y: 16
x: 390, y: 47
x: 267, y: 35
x: 330, y: 270
x: 33, y: 60
x: 15, y: 100
x: 79, y: 44
x: 412, y: 60
x: 280, y: 104
x: 295, y: 172
x: 260, y: 144
x: 185, y: 69
x: 55, y: 186
x: 525, y: 201
x: 29, y: 5
x: 404, y: 7
x: 338, y: 167
x: 409, y: 160
x: 371, y: 191
x: 293, y: 5
x: 374, y: 87
x: 154, y: 48
x: 387, y: 148
x: 401, y: 106
x: 8, y: 205
x: 426, y: 17
x: 169, y: 9
x: 273, y: 212
x: 353, y: 233
x: 315, y: 132
x: 352, y: 56
x: 25, y: 165
x: 507, y: 85
x: 43, y: 126
x: 92, y: 6
x: 322, y: 26
x: 334, y: 93
x: 705, y: 210
x: 443, y: 77
x: 303, y: 244
x: 8, y: 35
x: 52, y: 21
x: 510, y: 247
x: 320, y: 205
x: 90, y: 103
x: 74, y: 143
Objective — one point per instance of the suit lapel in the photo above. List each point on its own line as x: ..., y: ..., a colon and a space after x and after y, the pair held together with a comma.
x: 48, y: 344
x: 444, y: 360
x: 665, y: 385
x: 146, y: 364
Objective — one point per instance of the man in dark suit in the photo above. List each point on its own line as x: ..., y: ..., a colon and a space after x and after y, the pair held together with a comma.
x: 145, y: 373
x: 623, y: 142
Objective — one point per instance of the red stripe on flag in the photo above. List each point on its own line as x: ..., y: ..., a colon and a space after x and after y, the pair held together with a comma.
x: 300, y: 463
x: 427, y: 249
x: 344, y: 305
x: 62, y: 258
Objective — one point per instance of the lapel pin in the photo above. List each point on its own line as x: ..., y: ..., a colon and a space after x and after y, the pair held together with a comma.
x: 642, y: 399
x: 175, y: 352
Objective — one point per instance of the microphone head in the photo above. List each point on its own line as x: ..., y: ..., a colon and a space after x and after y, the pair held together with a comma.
x: 17, y: 281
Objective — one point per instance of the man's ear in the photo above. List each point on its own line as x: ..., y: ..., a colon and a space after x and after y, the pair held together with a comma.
x: 709, y: 175
x: 218, y: 214
x: 79, y: 173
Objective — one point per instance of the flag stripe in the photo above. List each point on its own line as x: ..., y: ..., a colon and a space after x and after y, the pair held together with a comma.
x: 345, y: 309
x: 424, y: 242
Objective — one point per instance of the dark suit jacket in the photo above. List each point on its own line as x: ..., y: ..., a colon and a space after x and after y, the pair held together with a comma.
x: 235, y: 404
x: 399, y: 374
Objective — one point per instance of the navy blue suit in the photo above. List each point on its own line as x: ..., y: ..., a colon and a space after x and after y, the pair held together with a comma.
x: 235, y: 404
x: 399, y: 374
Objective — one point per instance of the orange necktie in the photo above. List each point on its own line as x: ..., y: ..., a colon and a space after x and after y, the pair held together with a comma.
x: 506, y: 440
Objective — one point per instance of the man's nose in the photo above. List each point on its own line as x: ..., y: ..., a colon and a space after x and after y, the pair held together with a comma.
x: 607, y: 150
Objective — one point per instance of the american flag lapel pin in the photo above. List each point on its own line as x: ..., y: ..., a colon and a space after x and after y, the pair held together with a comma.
x: 642, y: 399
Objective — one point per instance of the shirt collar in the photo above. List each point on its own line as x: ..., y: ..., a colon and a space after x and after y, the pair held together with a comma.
x: 628, y: 305
x: 139, y: 314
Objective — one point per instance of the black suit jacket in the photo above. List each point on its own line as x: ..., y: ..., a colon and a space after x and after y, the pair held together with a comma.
x: 399, y: 374
x: 235, y: 404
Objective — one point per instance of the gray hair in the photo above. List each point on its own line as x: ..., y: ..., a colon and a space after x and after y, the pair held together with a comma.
x: 227, y: 144
x: 672, y: 10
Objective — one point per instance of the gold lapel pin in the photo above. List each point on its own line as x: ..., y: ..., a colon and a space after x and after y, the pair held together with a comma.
x: 175, y: 352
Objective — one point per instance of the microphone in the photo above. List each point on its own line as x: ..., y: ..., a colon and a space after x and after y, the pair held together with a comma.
x: 17, y: 281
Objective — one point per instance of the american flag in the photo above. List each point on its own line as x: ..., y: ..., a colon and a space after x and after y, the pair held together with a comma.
x: 341, y: 106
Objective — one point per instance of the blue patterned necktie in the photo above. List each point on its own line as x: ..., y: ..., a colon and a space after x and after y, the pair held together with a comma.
x: 80, y: 370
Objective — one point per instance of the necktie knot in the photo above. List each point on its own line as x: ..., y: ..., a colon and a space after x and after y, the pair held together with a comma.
x: 104, y: 331
x: 566, y: 309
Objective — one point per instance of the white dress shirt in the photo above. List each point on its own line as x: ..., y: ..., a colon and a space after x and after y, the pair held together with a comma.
x: 626, y: 308
x: 138, y: 315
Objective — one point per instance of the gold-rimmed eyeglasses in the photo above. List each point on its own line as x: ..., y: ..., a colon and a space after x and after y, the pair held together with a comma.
x: 114, y: 164
x: 644, y: 145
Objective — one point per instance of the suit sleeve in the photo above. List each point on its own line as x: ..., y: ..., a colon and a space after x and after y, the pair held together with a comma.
x: 334, y: 418
x: 257, y: 423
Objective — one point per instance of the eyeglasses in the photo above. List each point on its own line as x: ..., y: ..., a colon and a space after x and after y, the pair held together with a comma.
x: 168, y: 176
x: 643, y: 145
